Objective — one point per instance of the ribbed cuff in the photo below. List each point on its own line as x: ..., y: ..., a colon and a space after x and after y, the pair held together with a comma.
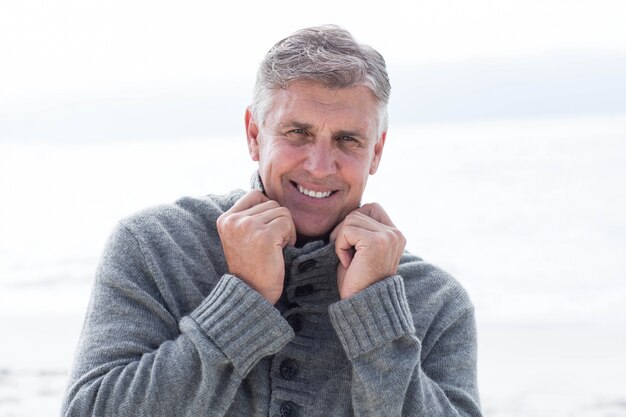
x: 377, y: 315
x: 243, y: 324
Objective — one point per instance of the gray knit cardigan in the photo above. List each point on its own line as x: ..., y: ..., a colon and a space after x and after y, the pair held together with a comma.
x: 169, y: 332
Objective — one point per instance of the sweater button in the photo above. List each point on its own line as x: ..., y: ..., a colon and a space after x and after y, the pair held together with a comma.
x: 288, y: 409
x: 307, y: 265
x: 303, y: 290
x: 295, y: 322
x: 288, y: 369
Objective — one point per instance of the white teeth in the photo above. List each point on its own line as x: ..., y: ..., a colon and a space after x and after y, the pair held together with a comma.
x: 314, y: 194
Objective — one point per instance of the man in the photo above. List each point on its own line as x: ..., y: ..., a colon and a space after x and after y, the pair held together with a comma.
x: 292, y: 299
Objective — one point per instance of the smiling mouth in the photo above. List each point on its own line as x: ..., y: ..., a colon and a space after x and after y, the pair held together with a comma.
x: 313, y: 194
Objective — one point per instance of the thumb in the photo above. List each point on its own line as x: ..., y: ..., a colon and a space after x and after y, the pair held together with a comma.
x: 345, y: 255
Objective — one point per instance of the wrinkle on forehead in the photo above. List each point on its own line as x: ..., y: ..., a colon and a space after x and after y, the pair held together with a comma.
x: 317, y: 107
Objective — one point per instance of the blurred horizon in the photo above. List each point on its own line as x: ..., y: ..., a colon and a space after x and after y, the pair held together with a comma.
x: 560, y: 84
x: 77, y: 71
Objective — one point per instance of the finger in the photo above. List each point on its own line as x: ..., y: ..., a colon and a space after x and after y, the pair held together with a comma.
x: 352, y: 236
x: 260, y: 208
x: 354, y: 218
x: 344, y: 245
x: 345, y: 256
x: 376, y: 212
x: 358, y: 219
x: 267, y: 214
x: 344, y: 252
x: 287, y: 229
x: 347, y: 242
x: 250, y: 199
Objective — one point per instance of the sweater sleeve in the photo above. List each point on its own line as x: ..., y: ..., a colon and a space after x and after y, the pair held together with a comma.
x: 377, y: 332
x: 135, y: 359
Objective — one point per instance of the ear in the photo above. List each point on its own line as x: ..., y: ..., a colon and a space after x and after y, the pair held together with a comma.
x: 252, y: 134
x: 378, y: 153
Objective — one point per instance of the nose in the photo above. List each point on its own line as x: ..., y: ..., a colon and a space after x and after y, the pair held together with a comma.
x: 320, y: 160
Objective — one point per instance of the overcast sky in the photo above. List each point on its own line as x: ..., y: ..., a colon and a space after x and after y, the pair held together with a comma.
x: 66, y: 61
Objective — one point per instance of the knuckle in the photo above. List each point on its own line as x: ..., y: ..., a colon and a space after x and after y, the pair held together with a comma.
x: 373, y: 208
x: 399, y: 235
x: 254, y: 197
x: 255, y: 193
x: 381, y: 239
x: 246, y: 222
x: 232, y: 222
x: 223, y: 221
x: 398, y: 239
x: 272, y: 204
x: 352, y: 217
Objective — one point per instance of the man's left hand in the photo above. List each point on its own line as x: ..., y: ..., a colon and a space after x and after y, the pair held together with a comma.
x: 369, y: 247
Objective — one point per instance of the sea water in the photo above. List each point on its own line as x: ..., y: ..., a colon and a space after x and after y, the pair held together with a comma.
x: 527, y: 214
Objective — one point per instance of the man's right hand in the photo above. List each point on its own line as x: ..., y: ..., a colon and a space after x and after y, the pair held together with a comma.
x: 253, y: 233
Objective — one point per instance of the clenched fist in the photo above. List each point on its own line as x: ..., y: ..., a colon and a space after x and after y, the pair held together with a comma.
x: 369, y: 248
x: 253, y: 233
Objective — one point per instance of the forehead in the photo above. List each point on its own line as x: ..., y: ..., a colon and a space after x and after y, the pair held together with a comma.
x: 312, y: 103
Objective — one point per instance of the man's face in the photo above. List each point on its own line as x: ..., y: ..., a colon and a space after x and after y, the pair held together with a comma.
x: 316, y: 149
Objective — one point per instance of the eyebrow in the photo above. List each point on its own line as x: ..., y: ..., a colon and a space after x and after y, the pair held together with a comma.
x: 352, y: 133
x: 299, y: 125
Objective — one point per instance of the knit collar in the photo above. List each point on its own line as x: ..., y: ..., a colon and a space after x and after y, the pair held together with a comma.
x: 256, y: 183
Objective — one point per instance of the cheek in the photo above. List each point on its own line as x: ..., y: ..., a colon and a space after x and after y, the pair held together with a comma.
x: 275, y: 161
x: 356, y: 170
x: 282, y: 157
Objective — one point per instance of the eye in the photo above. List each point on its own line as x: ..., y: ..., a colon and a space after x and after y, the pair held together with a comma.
x: 297, y: 133
x: 298, y: 136
x: 348, y: 141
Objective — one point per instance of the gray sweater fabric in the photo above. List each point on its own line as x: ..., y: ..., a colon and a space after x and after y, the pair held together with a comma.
x: 169, y: 332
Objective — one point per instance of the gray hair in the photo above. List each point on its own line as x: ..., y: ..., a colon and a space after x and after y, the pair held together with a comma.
x: 326, y: 55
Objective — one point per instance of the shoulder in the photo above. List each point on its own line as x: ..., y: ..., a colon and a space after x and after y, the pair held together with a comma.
x: 172, y: 250
x: 205, y: 208
x: 428, y: 281
x: 180, y: 220
x: 174, y: 232
x: 435, y: 297
x: 186, y: 226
